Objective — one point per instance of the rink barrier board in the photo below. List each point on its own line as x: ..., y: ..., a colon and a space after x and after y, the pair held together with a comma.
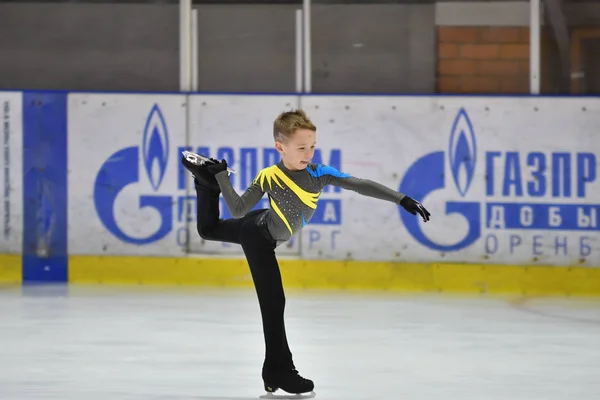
x: 340, y: 275
x: 45, y: 200
x: 11, y: 271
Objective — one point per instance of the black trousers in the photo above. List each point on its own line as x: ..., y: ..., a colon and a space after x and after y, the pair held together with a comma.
x: 252, y: 234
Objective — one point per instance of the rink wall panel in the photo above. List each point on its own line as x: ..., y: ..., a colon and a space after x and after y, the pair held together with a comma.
x: 511, y: 182
x: 340, y: 275
x: 124, y: 173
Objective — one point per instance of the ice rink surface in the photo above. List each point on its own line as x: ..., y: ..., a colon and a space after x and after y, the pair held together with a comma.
x: 107, y: 343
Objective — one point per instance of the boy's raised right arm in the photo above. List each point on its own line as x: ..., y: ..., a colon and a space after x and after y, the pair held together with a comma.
x: 237, y: 205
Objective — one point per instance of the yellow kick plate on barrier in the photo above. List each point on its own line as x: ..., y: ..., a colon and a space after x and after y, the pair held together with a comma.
x: 11, y: 269
x: 341, y: 275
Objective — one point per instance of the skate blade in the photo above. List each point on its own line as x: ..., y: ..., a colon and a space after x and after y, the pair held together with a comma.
x: 310, y: 395
x: 193, y: 158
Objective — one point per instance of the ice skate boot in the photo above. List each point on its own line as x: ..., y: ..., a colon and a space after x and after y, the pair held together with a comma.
x: 196, y: 164
x: 288, y: 381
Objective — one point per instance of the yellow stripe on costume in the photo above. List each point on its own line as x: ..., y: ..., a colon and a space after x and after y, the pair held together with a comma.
x: 274, y: 174
x: 269, y: 175
x: 308, y: 198
x: 278, y: 212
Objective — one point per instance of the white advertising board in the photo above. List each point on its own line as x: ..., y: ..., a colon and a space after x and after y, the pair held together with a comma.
x: 11, y: 162
x: 507, y: 180
x: 125, y: 191
x: 240, y: 130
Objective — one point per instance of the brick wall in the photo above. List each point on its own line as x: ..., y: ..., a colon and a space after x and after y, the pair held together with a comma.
x: 482, y: 60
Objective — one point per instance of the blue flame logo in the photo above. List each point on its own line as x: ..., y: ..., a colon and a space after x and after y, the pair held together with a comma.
x: 427, y: 175
x: 462, y: 152
x: 155, y: 147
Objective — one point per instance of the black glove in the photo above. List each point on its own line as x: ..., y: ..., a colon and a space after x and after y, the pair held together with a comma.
x: 215, y: 166
x: 414, y: 207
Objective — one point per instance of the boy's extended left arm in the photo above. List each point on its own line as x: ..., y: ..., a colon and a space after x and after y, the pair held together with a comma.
x: 370, y: 188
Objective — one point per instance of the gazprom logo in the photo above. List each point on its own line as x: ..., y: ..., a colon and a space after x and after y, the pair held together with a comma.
x: 427, y: 175
x: 463, y: 152
x: 156, y: 147
x: 122, y: 169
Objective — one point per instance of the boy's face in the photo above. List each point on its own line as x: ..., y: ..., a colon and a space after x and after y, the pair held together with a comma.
x: 297, y: 151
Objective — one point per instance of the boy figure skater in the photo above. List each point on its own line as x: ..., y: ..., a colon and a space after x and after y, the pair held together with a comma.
x: 293, y: 186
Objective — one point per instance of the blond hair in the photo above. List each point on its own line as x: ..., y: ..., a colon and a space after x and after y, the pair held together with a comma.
x: 288, y: 122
